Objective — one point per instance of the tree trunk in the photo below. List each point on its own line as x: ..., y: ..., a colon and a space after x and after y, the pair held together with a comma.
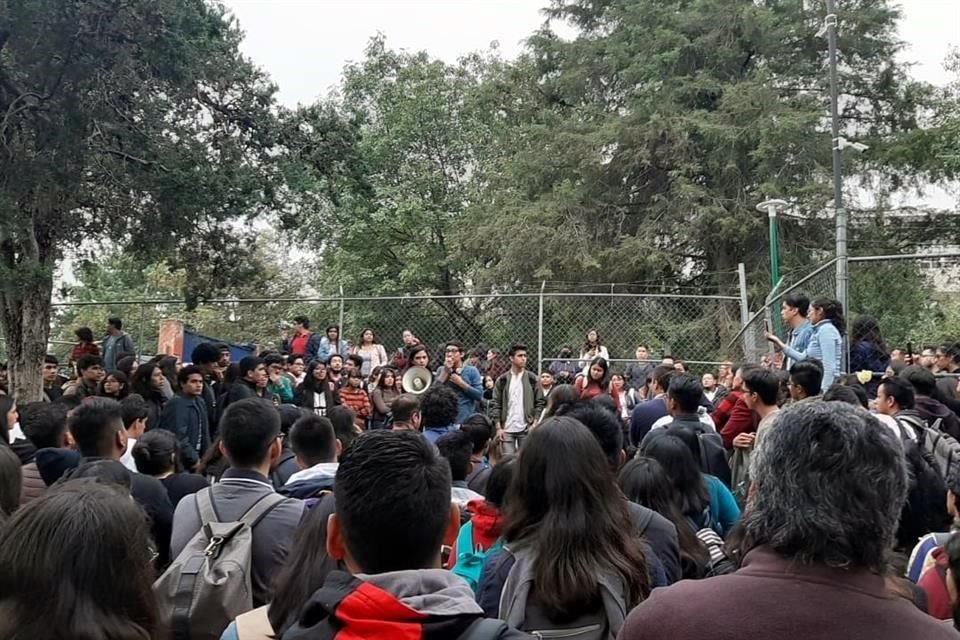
x: 25, y: 301
x: 26, y: 326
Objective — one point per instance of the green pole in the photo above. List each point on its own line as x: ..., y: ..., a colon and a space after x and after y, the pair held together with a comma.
x: 771, y: 206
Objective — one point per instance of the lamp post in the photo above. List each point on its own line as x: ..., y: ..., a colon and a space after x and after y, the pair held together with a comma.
x: 830, y: 24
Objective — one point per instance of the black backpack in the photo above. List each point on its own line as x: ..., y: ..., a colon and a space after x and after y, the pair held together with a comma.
x: 925, y: 509
x: 713, y: 456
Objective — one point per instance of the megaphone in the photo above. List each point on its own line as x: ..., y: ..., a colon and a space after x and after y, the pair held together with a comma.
x: 416, y: 380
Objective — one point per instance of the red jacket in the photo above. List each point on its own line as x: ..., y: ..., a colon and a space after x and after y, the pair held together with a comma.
x: 590, y: 390
x: 83, y: 348
x: 742, y: 419
x: 934, y: 584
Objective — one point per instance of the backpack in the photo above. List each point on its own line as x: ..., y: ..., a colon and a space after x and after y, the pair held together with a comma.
x: 470, y: 557
x: 713, y: 455
x: 924, y: 509
x: 941, y: 448
x: 209, y: 583
x: 522, y: 612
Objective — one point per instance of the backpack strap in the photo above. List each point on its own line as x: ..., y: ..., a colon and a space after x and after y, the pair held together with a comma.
x: 205, y: 507
x: 261, y: 507
x: 485, y: 629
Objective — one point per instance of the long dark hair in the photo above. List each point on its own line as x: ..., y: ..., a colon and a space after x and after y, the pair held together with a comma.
x: 866, y: 329
x: 564, y: 502
x: 309, y: 384
x: 677, y: 460
x: 76, y: 561
x: 832, y: 311
x: 141, y: 382
x: 605, y: 381
x: 6, y: 404
x: 586, y: 340
x: 562, y: 394
x: 644, y: 481
x: 120, y: 377
x: 10, y: 482
x: 168, y: 364
x: 305, y: 569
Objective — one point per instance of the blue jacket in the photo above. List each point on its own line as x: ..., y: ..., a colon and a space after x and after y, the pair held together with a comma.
x: 433, y: 433
x: 323, y: 351
x: 865, y: 356
x: 643, y: 417
x: 800, y: 340
x: 187, y: 419
x: 826, y: 345
x: 723, y: 507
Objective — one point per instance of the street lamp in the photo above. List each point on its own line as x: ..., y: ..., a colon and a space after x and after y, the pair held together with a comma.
x: 771, y: 207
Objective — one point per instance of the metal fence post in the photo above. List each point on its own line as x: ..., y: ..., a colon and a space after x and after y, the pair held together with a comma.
x: 543, y: 285
x: 749, y: 340
x: 340, y: 321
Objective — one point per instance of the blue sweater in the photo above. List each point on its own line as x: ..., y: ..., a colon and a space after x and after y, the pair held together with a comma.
x: 466, y: 398
x: 723, y: 507
x: 826, y: 346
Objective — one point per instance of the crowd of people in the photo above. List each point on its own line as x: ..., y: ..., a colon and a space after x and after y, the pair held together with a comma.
x: 306, y: 493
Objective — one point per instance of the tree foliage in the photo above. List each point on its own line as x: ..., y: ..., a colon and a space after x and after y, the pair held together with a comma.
x: 131, y: 123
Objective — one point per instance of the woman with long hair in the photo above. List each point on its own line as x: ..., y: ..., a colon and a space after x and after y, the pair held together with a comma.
x: 315, y: 393
x: 149, y: 382
x: 372, y: 352
x: 826, y: 343
x: 645, y: 482
x: 114, y: 386
x: 562, y: 395
x: 75, y: 563
x: 566, y: 521
x: 591, y: 350
x: 384, y: 393
x: 596, y: 382
x: 11, y: 481
x: 868, y: 351
x: 704, y: 500
x: 156, y: 454
x: 8, y: 417
x: 170, y: 366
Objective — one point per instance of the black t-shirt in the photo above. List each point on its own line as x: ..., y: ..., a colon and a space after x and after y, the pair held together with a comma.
x: 183, y: 484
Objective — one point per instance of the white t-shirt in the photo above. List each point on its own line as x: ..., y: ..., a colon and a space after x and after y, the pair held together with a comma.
x: 127, y: 458
x: 516, y: 421
x: 667, y: 420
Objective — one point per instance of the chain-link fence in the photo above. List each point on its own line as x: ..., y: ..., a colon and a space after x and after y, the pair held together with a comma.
x: 690, y: 327
x: 912, y: 296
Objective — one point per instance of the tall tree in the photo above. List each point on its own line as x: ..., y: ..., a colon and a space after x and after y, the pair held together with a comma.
x: 135, y: 124
x: 410, y: 136
x: 660, y: 125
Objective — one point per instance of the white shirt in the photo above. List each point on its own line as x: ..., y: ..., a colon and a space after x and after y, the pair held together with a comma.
x: 516, y: 420
x: 319, y: 404
x: 892, y: 424
x: 127, y: 458
x: 667, y: 420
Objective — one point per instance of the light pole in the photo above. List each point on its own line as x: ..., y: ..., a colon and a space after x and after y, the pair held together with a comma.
x: 830, y: 23
x: 771, y: 207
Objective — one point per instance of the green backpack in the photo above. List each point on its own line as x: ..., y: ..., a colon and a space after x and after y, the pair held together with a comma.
x: 470, y: 557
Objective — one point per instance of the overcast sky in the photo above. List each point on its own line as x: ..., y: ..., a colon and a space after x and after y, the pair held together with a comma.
x: 303, y: 44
